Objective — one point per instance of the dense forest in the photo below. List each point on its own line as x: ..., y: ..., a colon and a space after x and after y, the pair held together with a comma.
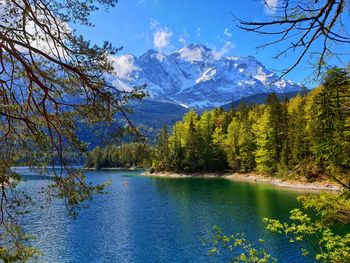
x: 308, y: 135
x: 125, y: 156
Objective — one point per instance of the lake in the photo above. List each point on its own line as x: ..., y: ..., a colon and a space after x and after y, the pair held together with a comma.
x: 158, y: 219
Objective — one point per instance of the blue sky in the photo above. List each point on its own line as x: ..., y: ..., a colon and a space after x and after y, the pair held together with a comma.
x: 167, y: 25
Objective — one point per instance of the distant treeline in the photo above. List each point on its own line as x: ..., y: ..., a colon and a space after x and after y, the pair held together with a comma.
x: 125, y: 156
x: 307, y: 135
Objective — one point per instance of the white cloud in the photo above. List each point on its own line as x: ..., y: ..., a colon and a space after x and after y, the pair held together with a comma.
x: 224, y: 50
x: 227, y: 33
x: 271, y: 6
x: 123, y: 66
x: 161, y: 37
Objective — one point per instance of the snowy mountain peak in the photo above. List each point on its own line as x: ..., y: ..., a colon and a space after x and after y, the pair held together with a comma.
x: 195, y: 53
x: 194, y: 76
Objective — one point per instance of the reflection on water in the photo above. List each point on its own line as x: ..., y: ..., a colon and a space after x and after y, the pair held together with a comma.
x: 158, y: 219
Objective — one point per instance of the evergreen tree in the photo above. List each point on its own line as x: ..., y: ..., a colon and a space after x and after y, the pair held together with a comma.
x: 227, y: 118
x: 274, y: 124
x: 277, y: 132
x: 330, y: 115
x: 265, y: 154
x: 283, y: 133
x: 193, y: 161
x: 247, y: 144
x: 278, y: 136
x: 207, y: 126
x: 220, y: 156
x: 176, y: 151
x: 162, y: 149
x: 298, y: 134
x: 232, y: 146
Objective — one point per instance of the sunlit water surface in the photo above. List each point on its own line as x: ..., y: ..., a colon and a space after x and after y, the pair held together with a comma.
x: 157, y: 219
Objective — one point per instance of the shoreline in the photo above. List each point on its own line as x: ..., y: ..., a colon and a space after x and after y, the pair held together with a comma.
x: 113, y: 169
x: 256, y: 178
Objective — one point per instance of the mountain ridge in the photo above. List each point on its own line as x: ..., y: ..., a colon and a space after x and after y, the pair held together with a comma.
x: 196, y: 76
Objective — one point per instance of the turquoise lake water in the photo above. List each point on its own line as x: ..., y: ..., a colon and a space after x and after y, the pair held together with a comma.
x: 158, y: 219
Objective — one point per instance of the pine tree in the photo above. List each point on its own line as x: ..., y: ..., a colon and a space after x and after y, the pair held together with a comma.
x: 283, y: 133
x: 220, y: 155
x: 331, y: 133
x: 275, y: 139
x: 298, y: 134
x: 176, y: 150
x: 278, y: 131
x: 162, y: 149
x: 247, y: 144
x: 207, y: 126
x: 193, y: 161
x: 232, y: 146
x: 265, y: 154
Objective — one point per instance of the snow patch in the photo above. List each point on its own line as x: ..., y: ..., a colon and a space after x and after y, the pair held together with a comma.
x: 249, y: 82
x: 184, y: 105
x: 280, y: 84
x: 234, y: 58
x: 160, y: 57
x: 207, y: 75
x: 192, y: 54
x: 193, y: 77
x: 121, y: 85
x: 262, y: 76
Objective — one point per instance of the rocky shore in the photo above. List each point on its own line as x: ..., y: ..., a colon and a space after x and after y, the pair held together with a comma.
x: 257, y: 178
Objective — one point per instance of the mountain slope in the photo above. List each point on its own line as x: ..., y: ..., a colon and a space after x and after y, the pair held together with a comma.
x: 198, y: 77
x: 151, y: 115
x: 261, y: 98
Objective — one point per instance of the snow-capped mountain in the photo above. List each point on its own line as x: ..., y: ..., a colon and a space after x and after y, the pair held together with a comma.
x: 199, y: 77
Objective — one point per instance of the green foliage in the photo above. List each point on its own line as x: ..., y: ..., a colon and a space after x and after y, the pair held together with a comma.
x: 307, y: 136
x: 277, y: 130
x: 232, y: 146
x: 17, y: 250
x: 265, y: 153
x: 312, y: 226
x: 239, y: 142
x: 123, y: 156
x: 297, y: 131
x: 236, y: 248
x: 162, y: 150
x: 193, y: 153
x: 330, y: 117
x: 327, y: 246
x: 193, y: 145
x: 331, y: 208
